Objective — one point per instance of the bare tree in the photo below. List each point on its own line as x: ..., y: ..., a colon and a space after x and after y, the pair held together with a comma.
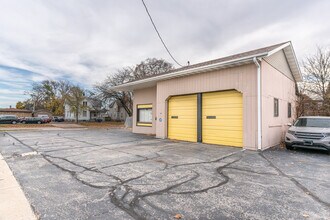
x: 146, y: 68
x: 74, y: 98
x: 317, y: 73
x: 316, y: 84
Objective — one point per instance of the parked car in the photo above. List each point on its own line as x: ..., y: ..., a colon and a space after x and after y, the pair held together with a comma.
x: 20, y: 119
x: 32, y: 120
x: 8, y: 119
x: 46, y: 119
x: 98, y: 119
x: 309, y: 132
x: 58, y: 118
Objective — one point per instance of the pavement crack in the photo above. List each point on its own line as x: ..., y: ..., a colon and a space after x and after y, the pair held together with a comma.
x: 297, y: 183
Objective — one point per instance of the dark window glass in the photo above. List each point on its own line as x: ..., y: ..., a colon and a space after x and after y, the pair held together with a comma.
x: 276, y: 107
x: 289, y: 110
x: 313, y: 122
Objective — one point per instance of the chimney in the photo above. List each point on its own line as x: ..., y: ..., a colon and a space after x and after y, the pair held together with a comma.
x: 10, y: 106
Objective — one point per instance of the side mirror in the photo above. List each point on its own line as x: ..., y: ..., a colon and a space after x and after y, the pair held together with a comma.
x: 289, y: 124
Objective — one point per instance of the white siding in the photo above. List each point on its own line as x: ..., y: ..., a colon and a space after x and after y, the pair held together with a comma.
x: 279, y: 62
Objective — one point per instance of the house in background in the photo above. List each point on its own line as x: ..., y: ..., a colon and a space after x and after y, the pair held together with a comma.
x: 92, y: 109
x: 15, y: 111
x: 42, y: 112
x: 116, y: 112
x: 244, y: 100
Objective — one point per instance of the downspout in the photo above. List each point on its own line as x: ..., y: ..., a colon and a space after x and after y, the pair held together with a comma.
x: 259, y: 100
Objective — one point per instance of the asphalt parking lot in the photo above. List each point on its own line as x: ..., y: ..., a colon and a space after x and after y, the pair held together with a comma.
x: 114, y: 174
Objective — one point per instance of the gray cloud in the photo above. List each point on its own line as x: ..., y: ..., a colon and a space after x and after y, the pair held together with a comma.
x: 84, y: 40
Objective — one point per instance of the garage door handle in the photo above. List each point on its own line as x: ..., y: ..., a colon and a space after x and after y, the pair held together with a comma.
x: 211, y: 117
x: 175, y: 117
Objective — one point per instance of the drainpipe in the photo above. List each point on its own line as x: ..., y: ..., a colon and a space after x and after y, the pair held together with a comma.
x: 259, y: 100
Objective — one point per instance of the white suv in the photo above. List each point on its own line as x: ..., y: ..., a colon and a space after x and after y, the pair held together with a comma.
x: 309, y: 132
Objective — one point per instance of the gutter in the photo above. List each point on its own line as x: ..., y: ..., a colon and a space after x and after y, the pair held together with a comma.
x: 255, y: 60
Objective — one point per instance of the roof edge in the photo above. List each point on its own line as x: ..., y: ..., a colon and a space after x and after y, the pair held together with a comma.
x: 191, y: 71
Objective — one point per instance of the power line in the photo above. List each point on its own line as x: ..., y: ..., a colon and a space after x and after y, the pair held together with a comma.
x: 161, y: 39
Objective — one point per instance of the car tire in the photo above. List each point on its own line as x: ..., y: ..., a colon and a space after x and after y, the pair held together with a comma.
x: 39, y: 122
x: 14, y: 122
x: 289, y: 147
x: 23, y: 122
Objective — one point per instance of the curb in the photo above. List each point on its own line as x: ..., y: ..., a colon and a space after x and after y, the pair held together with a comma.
x: 13, y: 203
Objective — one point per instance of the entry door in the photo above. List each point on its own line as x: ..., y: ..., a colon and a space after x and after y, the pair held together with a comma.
x: 182, y: 118
x: 222, y: 118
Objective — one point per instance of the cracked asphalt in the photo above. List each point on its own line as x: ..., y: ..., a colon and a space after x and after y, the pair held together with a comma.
x: 114, y: 174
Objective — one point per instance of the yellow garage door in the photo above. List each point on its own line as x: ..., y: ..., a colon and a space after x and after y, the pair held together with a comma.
x: 182, y: 118
x: 222, y: 121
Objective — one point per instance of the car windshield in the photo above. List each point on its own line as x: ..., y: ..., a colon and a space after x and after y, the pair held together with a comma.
x: 313, y: 122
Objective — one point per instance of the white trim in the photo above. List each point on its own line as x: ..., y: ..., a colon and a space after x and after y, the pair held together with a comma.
x: 278, y: 49
x: 191, y: 71
x: 148, y: 82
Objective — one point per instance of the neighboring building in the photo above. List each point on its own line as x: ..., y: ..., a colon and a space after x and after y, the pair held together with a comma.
x: 91, y: 110
x: 243, y: 100
x: 116, y: 112
x: 42, y: 112
x: 17, y: 112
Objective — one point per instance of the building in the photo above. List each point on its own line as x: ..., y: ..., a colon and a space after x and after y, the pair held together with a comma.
x: 117, y: 112
x: 91, y: 110
x: 15, y: 111
x: 244, y: 100
x: 42, y: 112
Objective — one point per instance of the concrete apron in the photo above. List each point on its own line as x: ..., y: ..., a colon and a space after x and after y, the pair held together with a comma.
x: 13, y: 203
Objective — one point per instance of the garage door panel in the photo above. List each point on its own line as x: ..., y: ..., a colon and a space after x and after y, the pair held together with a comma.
x: 224, y: 134
x: 182, y: 118
x: 222, y: 121
x: 228, y: 142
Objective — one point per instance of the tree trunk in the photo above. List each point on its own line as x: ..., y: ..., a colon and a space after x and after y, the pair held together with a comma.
x: 77, y: 116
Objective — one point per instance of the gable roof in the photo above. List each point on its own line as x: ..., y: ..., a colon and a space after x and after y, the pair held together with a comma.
x: 224, y: 62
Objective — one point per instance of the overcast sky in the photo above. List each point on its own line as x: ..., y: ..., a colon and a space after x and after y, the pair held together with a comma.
x: 85, y: 40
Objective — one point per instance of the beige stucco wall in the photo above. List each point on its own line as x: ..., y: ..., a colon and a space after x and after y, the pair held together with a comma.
x: 242, y: 78
x: 275, y: 84
x: 145, y: 96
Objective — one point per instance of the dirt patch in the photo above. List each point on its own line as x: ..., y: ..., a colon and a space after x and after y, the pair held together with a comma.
x: 25, y: 125
x: 103, y: 124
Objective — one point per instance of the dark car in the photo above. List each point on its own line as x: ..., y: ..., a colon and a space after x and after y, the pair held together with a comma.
x: 58, y: 118
x: 32, y: 120
x: 98, y: 119
x: 8, y: 119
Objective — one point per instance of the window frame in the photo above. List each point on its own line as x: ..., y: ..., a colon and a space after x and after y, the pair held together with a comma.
x: 289, y: 110
x: 276, y: 107
x: 143, y: 107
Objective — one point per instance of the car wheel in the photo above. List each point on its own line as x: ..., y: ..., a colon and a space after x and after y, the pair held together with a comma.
x: 24, y: 122
x: 288, y: 147
x: 39, y: 122
x: 13, y: 122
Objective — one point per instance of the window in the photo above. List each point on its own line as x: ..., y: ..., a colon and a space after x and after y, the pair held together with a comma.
x: 276, y: 107
x: 84, y: 113
x: 84, y: 104
x: 144, y: 115
x: 313, y: 122
x: 289, y: 110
